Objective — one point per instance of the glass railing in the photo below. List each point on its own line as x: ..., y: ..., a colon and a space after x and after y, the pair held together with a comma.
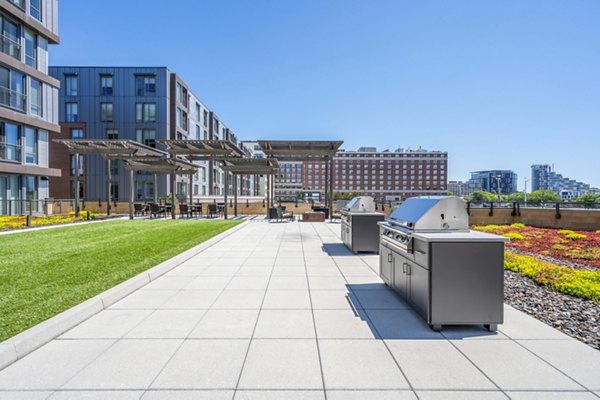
x: 10, y: 46
x: 10, y: 152
x: 12, y: 99
x: 18, y: 3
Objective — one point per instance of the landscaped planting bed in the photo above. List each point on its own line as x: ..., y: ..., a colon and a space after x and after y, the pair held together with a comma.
x: 43, y: 273
x: 18, y: 222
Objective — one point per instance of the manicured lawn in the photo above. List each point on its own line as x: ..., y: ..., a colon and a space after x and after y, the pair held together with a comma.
x: 45, y: 272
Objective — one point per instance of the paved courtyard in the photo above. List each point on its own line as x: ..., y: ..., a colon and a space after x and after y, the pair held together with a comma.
x: 284, y: 311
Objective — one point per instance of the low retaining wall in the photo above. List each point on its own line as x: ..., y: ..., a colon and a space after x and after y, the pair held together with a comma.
x: 575, y: 219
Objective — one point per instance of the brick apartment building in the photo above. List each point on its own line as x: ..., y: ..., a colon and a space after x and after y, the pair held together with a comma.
x: 384, y: 175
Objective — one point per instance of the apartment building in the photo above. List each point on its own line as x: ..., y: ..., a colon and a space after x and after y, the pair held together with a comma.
x: 258, y: 183
x: 503, y: 181
x: 458, y: 188
x: 384, y: 175
x: 145, y: 104
x: 543, y: 177
x: 28, y: 103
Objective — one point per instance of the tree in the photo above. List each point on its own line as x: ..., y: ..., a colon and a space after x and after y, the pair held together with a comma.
x: 516, y: 197
x: 481, y: 196
x: 587, y: 199
x: 543, y: 196
x: 299, y: 195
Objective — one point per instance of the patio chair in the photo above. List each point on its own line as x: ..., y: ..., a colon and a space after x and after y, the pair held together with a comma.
x: 197, y: 208
x: 281, y: 214
x: 213, y: 210
x: 156, y: 210
x: 138, y: 209
x: 184, y: 209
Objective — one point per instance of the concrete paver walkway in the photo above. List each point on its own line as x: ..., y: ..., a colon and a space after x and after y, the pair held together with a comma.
x: 284, y: 311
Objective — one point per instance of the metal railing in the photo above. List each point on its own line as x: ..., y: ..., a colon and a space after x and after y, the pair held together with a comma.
x: 10, y: 152
x: 10, y: 46
x: 12, y: 99
x: 517, y: 206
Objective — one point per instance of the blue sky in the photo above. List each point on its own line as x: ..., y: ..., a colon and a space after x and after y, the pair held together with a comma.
x: 499, y: 84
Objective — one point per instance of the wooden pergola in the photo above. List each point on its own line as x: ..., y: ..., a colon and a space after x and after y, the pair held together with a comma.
x: 303, y: 150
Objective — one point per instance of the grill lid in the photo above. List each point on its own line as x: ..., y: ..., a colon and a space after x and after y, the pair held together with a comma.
x: 360, y: 204
x: 431, y: 213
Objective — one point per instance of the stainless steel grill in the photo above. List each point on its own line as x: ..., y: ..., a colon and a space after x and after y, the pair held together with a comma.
x: 359, y: 225
x: 449, y: 274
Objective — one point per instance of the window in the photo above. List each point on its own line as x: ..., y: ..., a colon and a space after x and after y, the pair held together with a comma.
x: 12, y: 89
x: 31, y: 190
x: 10, y: 38
x: 112, y: 134
x: 106, y: 85
x: 181, y: 94
x: 31, y: 146
x: 198, y: 113
x: 182, y: 119
x: 145, y: 85
x: 106, y: 112
x: 205, y: 118
x: 35, y: 102
x: 114, y: 167
x: 71, y: 112
x: 35, y: 9
x: 146, y: 136
x: 72, y: 164
x: 71, y: 83
x: 145, y: 112
x: 81, y: 190
x: 76, y: 133
x: 10, y: 142
x: 30, y: 49
x: 144, y: 190
x: 198, y: 132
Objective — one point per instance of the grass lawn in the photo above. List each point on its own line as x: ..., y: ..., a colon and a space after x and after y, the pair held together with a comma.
x: 45, y: 272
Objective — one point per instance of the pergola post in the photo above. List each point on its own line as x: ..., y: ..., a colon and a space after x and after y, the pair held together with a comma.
x: 235, y: 194
x: 268, y: 193
x: 331, y: 178
x: 326, y: 185
x: 77, y: 185
x: 272, y: 190
x: 191, y: 190
x: 155, y: 188
x: 131, y: 193
x: 173, y: 194
x: 108, y: 186
x: 226, y: 177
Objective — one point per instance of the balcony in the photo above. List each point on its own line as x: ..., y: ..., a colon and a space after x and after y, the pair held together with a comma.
x: 10, y: 46
x: 18, y: 3
x: 10, y: 152
x: 10, y: 98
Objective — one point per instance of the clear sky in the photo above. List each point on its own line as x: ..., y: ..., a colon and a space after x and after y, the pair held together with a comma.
x: 499, y: 84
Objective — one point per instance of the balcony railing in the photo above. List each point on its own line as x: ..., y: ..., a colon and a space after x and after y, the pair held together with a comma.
x: 10, y: 152
x: 12, y: 99
x: 19, y: 3
x: 10, y: 46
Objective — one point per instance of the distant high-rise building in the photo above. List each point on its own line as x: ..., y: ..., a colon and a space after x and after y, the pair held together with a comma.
x: 489, y: 181
x: 458, y: 188
x: 544, y: 178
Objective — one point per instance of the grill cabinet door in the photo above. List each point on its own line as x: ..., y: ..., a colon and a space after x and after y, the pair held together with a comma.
x: 386, y: 271
x: 401, y: 284
x: 419, y: 289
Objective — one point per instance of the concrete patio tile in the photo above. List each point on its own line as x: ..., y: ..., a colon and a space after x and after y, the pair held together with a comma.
x: 575, y: 359
x: 256, y: 261
x: 370, y: 395
x: 282, y: 364
x: 285, y: 324
x: 288, y: 283
x: 144, y: 299
x: 108, y: 324
x: 248, y: 283
x: 379, y: 299
x: 50, y: 366
x: 461, y: 395
x: 97, y: 395
x: 239, y: 299
x: 552, y: 396
x: 289, y: 262
x: 512, y: 367
x: 185, y: 271
x: 342, y: 324
x: 204, y: 364
x: 333, y: 300
x: 289, y: 271
x: 373, y: 282
x: 129, y: 364
x: 401, y: 324
x: 208, y: 283
x: 38, y: 395
x: 191, y: 299
x: 281, y: 299
x: 279, y: 395
x: 219, y: 271
x: 188, y: 395
x: 227, y: 262
x: 167, y: 324
x: 322, y: 271
x: 418, y: 359
x: 518, y: 325
x: 254, y: 271
x: 327, y: 283
x: 226, y: 324
x: 359, y: 364
x: 169, y: 283
x: 470, y: 332
x: 358, y: 271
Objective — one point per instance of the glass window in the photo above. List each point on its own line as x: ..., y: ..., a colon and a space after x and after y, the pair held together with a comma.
x: 72, y: 164
x: 31, y: 146
x: 146, y: 136
x: 114, y: 167
x: 182, y: 119
x: 31, y: 193
x: 30, y: 49
x: 71, y: 112
x: 76, y: 133
x: 71, y: 85
x: 35, y: 103
x: 106, y: 85
x: 112, y: 134
x: 205, y: 118
x: 145, y: 112
x: 81, y: 189
x: 10, y: 38
x: 198, y: 114
x: 10, y: 145
x: 145, y: 85
x: 106, y: 112
x: 35, y: 9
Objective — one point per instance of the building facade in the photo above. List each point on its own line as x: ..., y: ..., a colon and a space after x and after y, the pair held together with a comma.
x: 458, y: 188
x: 502, y: 181
x: 145, y: 104
x: 258, y: 183
x: 543, y: 177
x: 28, y: 103
x: 384, y: 175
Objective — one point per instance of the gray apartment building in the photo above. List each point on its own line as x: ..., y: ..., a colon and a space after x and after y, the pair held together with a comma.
x: 491, y: 180
x: 543, y: 177
x: 28, y: 103
x: 145, y: 104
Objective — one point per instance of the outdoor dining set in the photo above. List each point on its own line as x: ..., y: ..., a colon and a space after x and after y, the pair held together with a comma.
x: 155, y: 210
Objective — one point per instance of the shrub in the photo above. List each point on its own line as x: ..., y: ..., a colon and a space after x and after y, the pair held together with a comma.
x: 513, y: 236
x: 575, y: 236
x: 517, y: 225
x: 564, y: 232
x: 598, y: 231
